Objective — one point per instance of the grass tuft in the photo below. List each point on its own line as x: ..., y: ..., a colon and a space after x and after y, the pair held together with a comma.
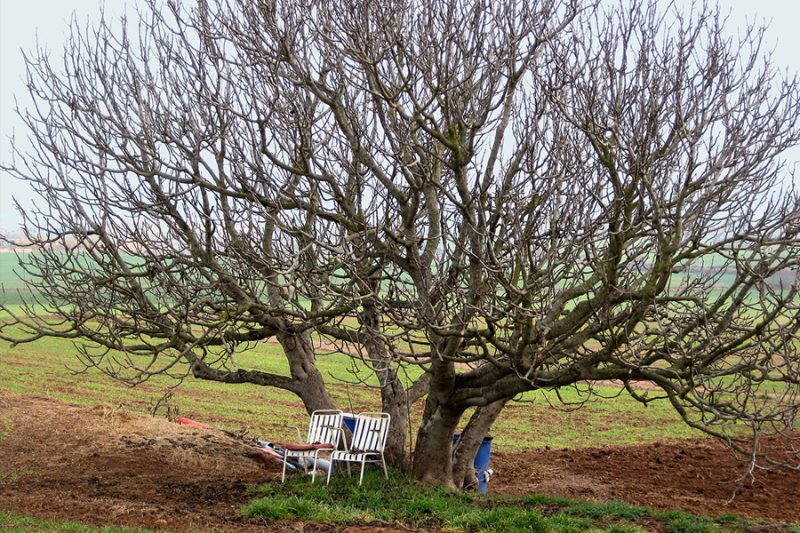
x: 12, y: 523
x: 6, y: 425
x: 680, y: 522
x: 503, y: 520
x: 296, y: 508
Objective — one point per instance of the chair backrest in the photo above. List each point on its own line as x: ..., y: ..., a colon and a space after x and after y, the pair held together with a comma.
x: 325, y: 426
x: 371, y: 432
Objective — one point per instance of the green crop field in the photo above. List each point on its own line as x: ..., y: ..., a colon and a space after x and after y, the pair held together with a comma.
x: 12, y: 287
x: 50, y: 367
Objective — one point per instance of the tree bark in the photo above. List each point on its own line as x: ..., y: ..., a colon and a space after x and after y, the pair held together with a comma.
x: 395, y: 399
x: 471, y: 439
x: 304, y: 379
x: 307, y: 381
x: 394, y: 402
x: 433, y: 459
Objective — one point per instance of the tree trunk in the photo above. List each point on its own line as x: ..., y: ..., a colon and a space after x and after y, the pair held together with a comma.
x: 433, y: 459
x: 471, y: 439
x: 394, y: 401
x: 394, y: 398
x: 310, y: 386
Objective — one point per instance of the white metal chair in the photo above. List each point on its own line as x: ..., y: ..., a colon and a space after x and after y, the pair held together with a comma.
x: 324, y: 431
x: 368, y: 442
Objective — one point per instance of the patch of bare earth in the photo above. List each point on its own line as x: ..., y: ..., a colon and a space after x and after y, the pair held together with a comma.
x: 109, y: 466
x: 698, y: 476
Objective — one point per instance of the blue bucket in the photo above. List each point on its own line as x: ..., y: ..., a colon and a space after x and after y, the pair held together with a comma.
x: 481, y: 462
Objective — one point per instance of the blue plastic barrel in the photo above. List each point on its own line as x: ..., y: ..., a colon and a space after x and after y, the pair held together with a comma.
x: 349, y: 420
x: 481, y: 462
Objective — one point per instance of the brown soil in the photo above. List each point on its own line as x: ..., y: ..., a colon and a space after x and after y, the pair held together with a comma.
x: 109, y: 466
x: 699, y: 476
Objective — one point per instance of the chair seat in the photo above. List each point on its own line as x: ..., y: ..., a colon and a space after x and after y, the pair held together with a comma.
x: 309, y: 447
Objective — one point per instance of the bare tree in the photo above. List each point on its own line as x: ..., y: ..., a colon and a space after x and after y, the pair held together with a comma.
x: 504, y: 196
x: 631, y: 225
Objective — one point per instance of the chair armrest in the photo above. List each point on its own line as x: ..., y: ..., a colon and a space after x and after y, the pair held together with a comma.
x: 309, y: 447
x: 344, y: 436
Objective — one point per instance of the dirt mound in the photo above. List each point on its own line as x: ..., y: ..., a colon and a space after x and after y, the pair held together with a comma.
x: 104, y: 465
x: 698, y: 476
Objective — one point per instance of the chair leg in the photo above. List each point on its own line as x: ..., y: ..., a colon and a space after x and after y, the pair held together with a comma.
x: 385, y: 471
x: 349, y: 473
x: 314, y: 468
x: 363, y: 462
x: 330, y: 469
x: 283, y: 473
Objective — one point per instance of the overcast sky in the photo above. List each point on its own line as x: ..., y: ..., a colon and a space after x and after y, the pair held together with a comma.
x: 22, y: 21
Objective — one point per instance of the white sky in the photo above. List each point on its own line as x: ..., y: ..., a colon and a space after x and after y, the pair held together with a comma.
x: 22, y: 21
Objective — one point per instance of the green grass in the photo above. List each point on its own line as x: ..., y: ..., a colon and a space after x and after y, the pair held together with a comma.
x: 22, y: 524
x: 299, y: 508
x: 10, y: 271
x: 400, y: 502
x: 613, y: 421
x: 45, y: 367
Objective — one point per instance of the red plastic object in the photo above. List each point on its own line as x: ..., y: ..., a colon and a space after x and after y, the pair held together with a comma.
x: 190, y: 422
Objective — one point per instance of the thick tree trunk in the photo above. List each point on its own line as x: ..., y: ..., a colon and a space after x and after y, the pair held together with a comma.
x: 308, y: 382
x: 433, y: 459
x: 396, y: 401
x: 471, y: 439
